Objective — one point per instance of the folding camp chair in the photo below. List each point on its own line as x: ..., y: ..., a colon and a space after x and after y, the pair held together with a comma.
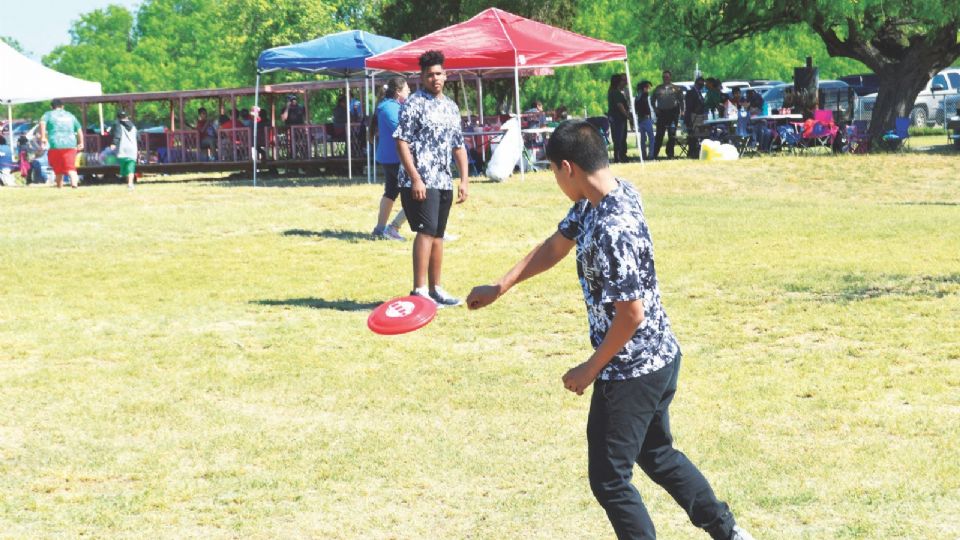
x: 824, y: 131
x: 858, y: 139
x: 742, y: 137
x: 897, y: 139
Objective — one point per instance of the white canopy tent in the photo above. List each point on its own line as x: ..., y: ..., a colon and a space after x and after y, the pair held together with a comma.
x: 24, y: 81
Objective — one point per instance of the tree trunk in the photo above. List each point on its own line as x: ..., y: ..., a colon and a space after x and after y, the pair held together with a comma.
x: 900, y: 83
x: 903, y: 62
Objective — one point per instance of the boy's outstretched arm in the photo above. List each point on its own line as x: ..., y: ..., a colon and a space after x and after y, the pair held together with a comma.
x: 626, y: 318
x: 541, y: 259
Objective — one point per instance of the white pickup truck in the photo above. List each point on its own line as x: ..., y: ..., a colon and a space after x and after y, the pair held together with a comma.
x: 928, y: 108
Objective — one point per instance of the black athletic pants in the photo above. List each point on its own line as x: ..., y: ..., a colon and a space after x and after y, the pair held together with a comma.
x: 629, y: 423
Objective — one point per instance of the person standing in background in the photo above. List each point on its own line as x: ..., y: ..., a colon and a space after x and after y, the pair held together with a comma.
x: 62, y: 131
x: 618, y: 110
x: 667, y: 105
x: 125, y: 143
x: 645, y: 118
x: 382, y: 126
x: 693, y: 106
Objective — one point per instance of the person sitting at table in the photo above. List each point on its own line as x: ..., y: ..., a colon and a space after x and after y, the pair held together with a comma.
x: 754, y: 102
x: 340, y: 118
x: 537, y: 118
x: 736, y: 99
x: 714, y: 98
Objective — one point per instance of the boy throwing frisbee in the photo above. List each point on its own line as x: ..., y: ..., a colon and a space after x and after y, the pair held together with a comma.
x: 636, y: 358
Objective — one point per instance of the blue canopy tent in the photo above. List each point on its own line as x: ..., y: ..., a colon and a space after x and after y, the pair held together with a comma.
x: 341, y: 55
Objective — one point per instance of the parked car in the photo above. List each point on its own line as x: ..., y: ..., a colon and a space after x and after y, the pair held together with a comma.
x: 928, y: 107
x: 863, y: 84
x: 728, y: 86
x: 764, y: 82
x: 836, y: 96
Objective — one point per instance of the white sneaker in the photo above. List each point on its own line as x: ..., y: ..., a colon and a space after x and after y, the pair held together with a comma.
x: 740, y: 534
x: 391, y: 233
x: 421, y: 295
x: 443, y: 299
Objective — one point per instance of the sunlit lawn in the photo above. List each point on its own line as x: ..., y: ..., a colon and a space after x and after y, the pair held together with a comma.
x: 192, y: 359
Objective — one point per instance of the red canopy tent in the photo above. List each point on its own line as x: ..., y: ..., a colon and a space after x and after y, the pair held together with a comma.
x: 495, y: 39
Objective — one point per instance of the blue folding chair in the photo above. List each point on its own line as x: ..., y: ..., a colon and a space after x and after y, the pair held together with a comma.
x: 897, y: 138
x: 743, y: 135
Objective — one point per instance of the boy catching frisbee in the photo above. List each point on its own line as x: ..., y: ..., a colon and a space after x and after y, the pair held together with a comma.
x: 636, y: 358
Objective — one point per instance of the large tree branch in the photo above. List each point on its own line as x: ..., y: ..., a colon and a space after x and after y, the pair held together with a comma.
x: 855, y: 46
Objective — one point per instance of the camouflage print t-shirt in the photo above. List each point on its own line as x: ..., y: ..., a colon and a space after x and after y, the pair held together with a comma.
x: 431, y: 126
x: 615, y: 264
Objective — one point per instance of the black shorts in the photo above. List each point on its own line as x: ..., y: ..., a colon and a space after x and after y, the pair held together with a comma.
x: 391, y: 182
x: 428, y: 216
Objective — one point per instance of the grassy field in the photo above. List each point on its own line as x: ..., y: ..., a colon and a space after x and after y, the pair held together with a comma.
x: 192, y: 359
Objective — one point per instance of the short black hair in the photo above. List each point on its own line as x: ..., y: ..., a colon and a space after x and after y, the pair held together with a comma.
x: 430, y: 59
x: 202, y: 110
x: 578, y: 142
x: 56, y: 103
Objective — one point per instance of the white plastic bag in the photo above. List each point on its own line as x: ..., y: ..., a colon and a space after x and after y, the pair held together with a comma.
x: 507, y: 153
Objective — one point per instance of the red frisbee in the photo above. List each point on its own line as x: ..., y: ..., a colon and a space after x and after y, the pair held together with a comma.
x: 402, y: 315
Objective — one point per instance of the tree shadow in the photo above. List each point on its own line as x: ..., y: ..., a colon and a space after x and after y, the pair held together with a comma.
x: 927, y: 203
x: 856, y: 287
x: 335, y: 234
x: 320, y: 303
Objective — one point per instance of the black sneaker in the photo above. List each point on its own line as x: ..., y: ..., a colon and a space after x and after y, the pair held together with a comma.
x: 443, y: 299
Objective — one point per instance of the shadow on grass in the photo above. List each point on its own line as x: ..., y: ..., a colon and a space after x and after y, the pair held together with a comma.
x: 347, y: 236
x: 927, y: 203
x: 293, y: 181
x: 320, y: 303
x: 857, y: 287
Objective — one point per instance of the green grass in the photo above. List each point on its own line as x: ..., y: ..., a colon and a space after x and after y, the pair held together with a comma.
x: 192, y: 359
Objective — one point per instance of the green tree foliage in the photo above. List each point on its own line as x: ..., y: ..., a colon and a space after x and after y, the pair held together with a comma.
x: 905, y: 42
x: 653, y: 44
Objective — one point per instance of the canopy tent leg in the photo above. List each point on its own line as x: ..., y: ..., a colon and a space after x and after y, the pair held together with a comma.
x: 516, y: 95
x: 100, y: 107
x: 466, y: 103
x: 349, y: 152
x: 372, y: 146
x: 633, y: 110
x: 371, y: 97
x: 256, y: 126
x: 10, y: 141
x: 483, y: 147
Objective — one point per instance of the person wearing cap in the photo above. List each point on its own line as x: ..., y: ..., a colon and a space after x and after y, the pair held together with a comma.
x: 293, y: 113
x: 125, y: 143
x: 62, y: 132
